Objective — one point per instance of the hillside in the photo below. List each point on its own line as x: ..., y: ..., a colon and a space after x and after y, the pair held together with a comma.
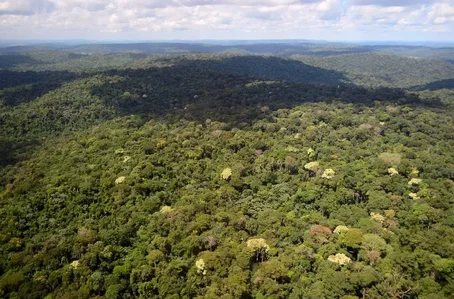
x: 384, y: 70
x: 225, y: 176
x: 40, y: 61
x: 440, y: 53
x: 162, y: 48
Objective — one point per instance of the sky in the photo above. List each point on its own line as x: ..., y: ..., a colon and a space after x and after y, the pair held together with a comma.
x: 355, y: 20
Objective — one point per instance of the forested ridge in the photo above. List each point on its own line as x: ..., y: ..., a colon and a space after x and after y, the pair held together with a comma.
x: 371, y: 69
x: 225, y: 176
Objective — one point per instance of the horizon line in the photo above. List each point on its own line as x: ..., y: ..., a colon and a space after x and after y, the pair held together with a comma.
x: 213, y: 40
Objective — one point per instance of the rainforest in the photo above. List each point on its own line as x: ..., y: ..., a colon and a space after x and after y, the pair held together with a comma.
x: 266, y: 170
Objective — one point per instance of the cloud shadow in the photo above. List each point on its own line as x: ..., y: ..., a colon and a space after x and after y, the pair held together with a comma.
x: 233, y: 90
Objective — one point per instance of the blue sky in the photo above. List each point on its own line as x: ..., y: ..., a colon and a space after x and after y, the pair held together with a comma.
x: 403, y: 20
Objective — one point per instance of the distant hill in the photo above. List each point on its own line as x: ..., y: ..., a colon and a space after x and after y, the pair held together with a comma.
x: 371, y: 69
x: 50, y: 60
x: 290, y: 48
x: 444, y: 53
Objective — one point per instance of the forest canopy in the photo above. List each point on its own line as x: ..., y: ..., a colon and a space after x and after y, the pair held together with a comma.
x: 226, y: 175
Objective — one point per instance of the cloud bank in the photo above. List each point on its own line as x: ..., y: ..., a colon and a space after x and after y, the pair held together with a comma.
x: 228, y: 19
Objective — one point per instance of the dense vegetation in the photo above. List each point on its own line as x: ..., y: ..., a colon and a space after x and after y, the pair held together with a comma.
x: 372, y: 69
x: 224, y: 176
x: 285, y: 48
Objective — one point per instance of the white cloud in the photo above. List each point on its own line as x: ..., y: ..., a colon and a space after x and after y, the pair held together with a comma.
x: 90, y: 5
x: 230, y: 19
x: 392, y: 2
x: 25, y: 7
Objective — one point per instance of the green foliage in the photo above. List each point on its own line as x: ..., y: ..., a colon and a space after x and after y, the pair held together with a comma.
x: 199, y: 188
x: 351, y: 238
x: 375, y: 69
